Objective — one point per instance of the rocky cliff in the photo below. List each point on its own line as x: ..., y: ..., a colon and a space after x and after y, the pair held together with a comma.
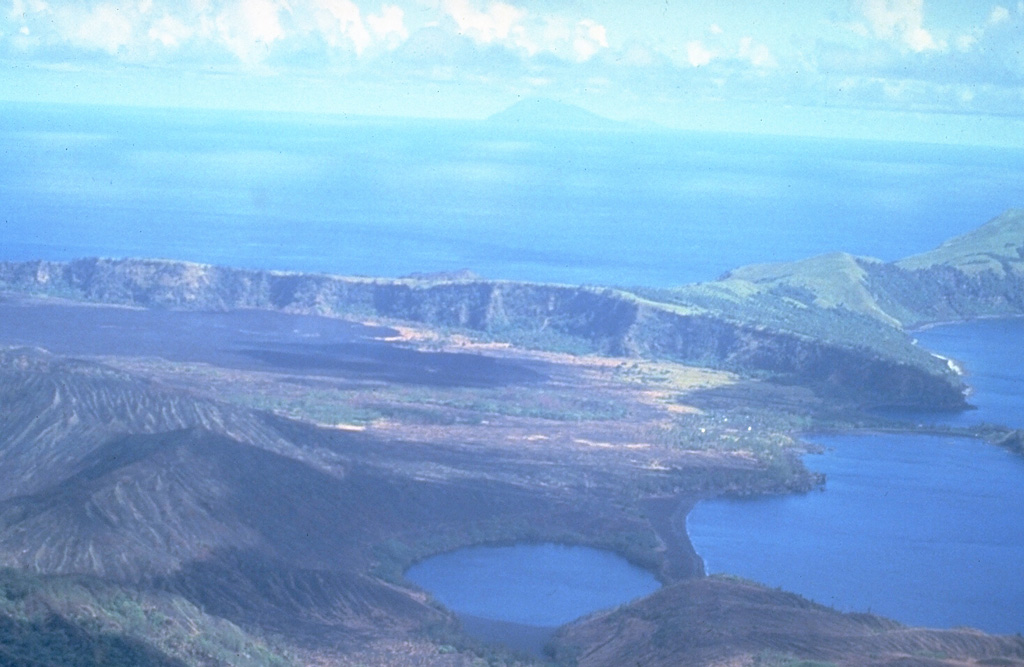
x: 836, y: 323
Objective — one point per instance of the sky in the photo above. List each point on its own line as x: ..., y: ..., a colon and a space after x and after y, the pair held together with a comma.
x: 929, y: 70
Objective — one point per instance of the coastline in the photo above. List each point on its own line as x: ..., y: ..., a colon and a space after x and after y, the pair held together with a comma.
x: 667, y: 516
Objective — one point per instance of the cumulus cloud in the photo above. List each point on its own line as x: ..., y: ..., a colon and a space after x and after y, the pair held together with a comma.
x: 247, y: 29
x: 517, y: 29
x: 251, y: 31
x: 341, y: 21
x: 169, y: 31
x: 697, y: 54
x: 998, y: 15
x: 590, y: 38
x: 250, y: 27
x: 499, y: 22
x: 756, y: 54
x: 105, y: 27
x: 900, y: 21
x: 389, y: 25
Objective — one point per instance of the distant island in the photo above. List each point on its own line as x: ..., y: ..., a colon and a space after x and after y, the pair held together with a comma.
x: 210, y: 465
x: 549, y: 114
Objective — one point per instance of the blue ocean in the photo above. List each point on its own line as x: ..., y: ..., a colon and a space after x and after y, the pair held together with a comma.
x: 391, y: 197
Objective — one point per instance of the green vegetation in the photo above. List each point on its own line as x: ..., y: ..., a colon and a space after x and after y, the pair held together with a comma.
x: 514, y: 401
x: 319, y: 406
x: 80, y: 621
x: 449, y: 637
x: 773, y: 659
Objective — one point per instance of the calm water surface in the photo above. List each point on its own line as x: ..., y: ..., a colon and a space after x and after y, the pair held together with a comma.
x: 331, y: 194
x: 991, y: 352
x: 531, y: 584
x: 924, y: 529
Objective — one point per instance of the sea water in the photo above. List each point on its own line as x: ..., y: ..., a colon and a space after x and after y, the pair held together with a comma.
x: 925, y: 529
x: 990, y: 354
x: 392, y: 197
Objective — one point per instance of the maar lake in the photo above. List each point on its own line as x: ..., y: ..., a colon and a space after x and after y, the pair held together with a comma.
x: 525, y: 591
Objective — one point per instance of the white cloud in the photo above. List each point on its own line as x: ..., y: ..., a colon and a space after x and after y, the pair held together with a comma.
x: 900, y: 21
x: 591, y: 37
x: 498, y: 23
x: 105, y: 27
x: 249, y: 27
x: 998, y: 15
x: 517, y: 29
x: 697, y: 54
x: 20, y: 9
x: 389, y: 25
x: 965, y: 43
x: 758, y: 55
x: 341, y: 21
x: 252, y: 30
x: 169, y: 31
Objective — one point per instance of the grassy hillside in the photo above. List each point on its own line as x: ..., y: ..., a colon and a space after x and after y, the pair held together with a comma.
x: 997, y: 247
x: 979, y: 274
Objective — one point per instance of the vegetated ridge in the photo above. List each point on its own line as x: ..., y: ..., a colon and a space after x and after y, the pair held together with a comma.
x: 719, y: 620
x: 836, y: 323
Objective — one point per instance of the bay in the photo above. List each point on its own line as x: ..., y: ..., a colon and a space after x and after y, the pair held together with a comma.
x: 925, y: 529
x: 989, y: 353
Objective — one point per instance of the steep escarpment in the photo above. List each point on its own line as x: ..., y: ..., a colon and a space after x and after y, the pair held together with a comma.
x: 836, y: 323
x: 699, y: 326
x: 859, y: 371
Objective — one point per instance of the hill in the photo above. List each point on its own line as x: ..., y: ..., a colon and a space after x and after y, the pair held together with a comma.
x: 539, y: 113
x: 54, y: 620
x: 996, y: 247
x: 718, y: 621
x: 979, y: 274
